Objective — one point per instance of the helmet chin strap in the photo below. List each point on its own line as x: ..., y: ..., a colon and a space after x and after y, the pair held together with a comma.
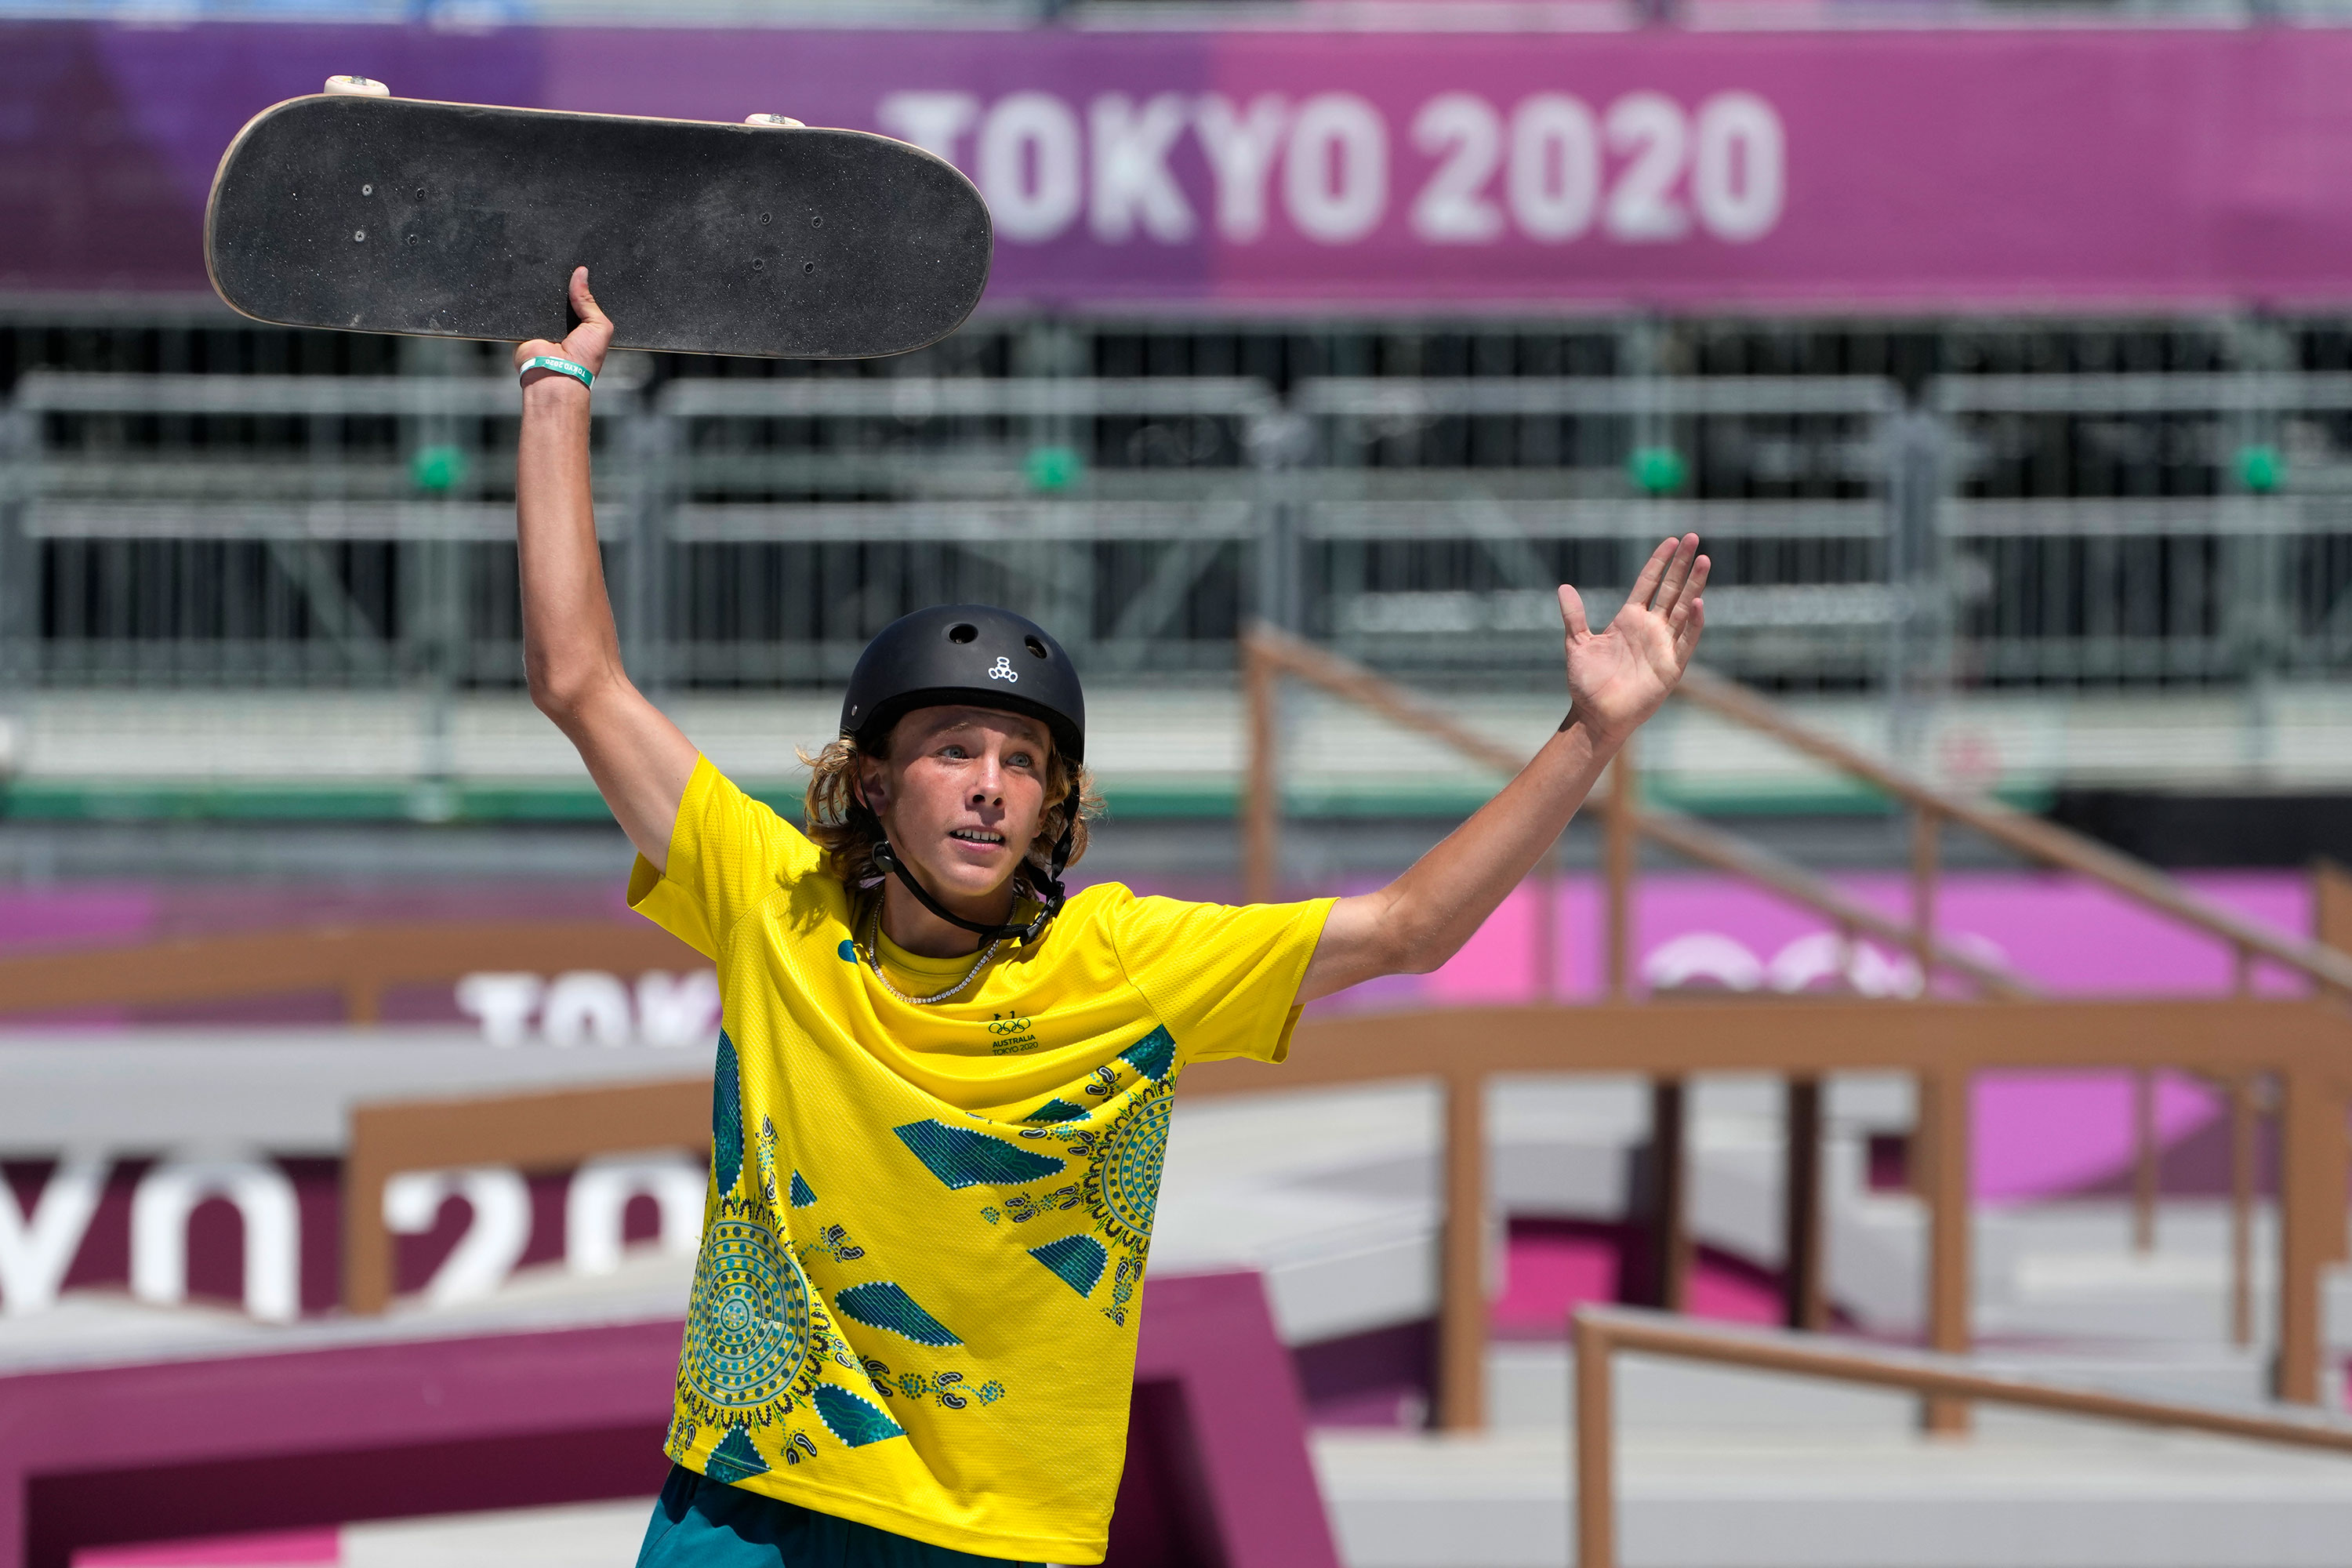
x: 1051, y: 895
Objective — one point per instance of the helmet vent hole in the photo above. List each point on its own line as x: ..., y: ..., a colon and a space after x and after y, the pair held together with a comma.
x: 963, y: 631
x: 1035, y: 646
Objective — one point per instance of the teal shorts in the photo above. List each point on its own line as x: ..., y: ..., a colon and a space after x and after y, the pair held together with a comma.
x: 703, y: 1523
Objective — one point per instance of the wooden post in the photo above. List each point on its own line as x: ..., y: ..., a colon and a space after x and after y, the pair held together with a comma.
x: 363, y: 1003
x: 2144, y: 1160
x: 1618, y: 857
x: 2241, y: 1210
x: 2295, y: 1372
x: 2311, y: 1224
x: 1926, y: 845
x: 2243, y: 1128
x: 367, y: 1241
x: 1262, y: 795
x: 1545, y: 887
x: 1462, y: 1299
x: 1595, y: 1503
x: 1944, y: 1167
x: 1670, y: 1247
x: 1802, y: 1302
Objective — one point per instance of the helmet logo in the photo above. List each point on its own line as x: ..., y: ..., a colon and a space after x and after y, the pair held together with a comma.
x: 1002, y: 669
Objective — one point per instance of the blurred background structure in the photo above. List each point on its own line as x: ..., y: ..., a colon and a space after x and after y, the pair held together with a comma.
x: 2002, y: 354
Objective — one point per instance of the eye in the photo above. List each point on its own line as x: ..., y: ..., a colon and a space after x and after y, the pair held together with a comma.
x: 953, y: 749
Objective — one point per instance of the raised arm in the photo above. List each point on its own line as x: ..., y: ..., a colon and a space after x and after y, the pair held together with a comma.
x: 570, y: 653
x: 1616, y: 679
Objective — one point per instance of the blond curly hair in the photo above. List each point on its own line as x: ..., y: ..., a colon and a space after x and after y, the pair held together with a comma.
x: 837, y: 822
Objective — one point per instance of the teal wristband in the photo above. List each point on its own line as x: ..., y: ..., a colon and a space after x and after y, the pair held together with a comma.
x: 579, y: 372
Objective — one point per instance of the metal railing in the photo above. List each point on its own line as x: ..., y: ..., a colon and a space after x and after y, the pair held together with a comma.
x: 1599, y: 1333
x: 323, y: 529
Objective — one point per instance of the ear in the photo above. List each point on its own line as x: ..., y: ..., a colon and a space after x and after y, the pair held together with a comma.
x: 871, y: 785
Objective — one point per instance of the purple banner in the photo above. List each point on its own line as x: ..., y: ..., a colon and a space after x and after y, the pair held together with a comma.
x: 1913, y: 169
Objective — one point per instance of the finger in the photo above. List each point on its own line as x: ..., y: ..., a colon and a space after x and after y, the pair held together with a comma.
x: 1652, y: 570
x: 1696, y: 585
x: 1572, y: 614
x: 1678, y: 570
x: 1687, y: 634
x: 584, y: 303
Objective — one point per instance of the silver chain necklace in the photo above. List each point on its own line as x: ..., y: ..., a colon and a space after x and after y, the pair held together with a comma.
x: 873, y: 962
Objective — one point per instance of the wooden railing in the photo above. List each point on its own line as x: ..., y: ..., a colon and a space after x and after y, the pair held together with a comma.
x: 356, y: 963
x: 1599, y: 1332
x: 2298, y: 1046
x: 2303, y: 1044
x: 1268, y: 655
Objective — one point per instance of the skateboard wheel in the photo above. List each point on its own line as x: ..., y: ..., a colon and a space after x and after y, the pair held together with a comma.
x: 356, y: 86
x: 774, y: 121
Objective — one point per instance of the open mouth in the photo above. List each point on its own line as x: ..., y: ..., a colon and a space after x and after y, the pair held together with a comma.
x: 976, y: 835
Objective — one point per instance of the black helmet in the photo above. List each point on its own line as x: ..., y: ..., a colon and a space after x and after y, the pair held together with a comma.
x: 986, y: 658
x: 974, y: 654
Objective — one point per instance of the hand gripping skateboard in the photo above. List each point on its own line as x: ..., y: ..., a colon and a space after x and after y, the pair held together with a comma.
x: 356, y: 210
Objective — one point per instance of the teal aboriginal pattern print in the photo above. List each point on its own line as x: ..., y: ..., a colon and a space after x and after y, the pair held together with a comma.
x: 1153, y: 1055
x: 802, y: 1195
x: 856, y: 1422
x: 1057, y: 1109
x: 768, y: 1161
x: 833, y: 1242
x: 1123, y: 1185
x: 1123, y: 1285
x: 735, y: 1458
x: 962, y: 1158
x: 883, y: 1305
x: 1078, y: 1260
x: 750, y: 1334
x: 726, y: 1118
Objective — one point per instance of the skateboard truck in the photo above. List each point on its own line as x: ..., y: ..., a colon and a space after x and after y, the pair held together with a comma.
x: 774, y: 121
x: 355, y: 87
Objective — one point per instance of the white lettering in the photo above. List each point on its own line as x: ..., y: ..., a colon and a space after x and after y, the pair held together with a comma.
x: 1335, y: 175
x: 169, y: 1194
x: 1739, y: 173
x: 678, y: 1011
x: 1453, y: 209
x: 1555, y: 175
x: 495, y: 1234
x: 1130, y: 168
x: 1028, y: 166
x: 585, y: 1005
x: 504, y: 1004
x: 1650, y: 129
x: 1240, y: 148
x: 931, y: 120
x: 598, y: 1201
x: 38, y: 1249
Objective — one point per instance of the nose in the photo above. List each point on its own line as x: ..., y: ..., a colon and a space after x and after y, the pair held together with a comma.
x: 987, y: 784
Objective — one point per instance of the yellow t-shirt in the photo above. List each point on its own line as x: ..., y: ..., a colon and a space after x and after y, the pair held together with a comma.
x: 915, y: 1305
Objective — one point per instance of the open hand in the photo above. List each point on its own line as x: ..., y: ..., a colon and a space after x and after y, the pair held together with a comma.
x: 1617, y: 678
x: 583, y: 345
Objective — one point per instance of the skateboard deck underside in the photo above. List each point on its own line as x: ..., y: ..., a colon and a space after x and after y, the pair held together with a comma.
x: 455, y: 220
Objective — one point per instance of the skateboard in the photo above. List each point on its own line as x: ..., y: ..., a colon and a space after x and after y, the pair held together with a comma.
x: 354, y: 209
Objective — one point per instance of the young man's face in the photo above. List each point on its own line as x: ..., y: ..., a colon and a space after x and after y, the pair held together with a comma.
x: 961, y: 796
